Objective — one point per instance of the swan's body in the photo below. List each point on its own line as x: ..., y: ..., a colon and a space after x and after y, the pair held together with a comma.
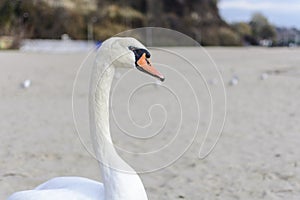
x: 120, y: 181
x: 64, y: 188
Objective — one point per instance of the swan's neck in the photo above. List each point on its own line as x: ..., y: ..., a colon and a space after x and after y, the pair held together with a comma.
x: 120, y: 180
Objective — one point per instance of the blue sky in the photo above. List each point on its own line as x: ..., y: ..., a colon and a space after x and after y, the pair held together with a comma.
x: 279, y: 12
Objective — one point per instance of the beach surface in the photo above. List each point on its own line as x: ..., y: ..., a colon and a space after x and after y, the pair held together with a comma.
x: 256, y: 157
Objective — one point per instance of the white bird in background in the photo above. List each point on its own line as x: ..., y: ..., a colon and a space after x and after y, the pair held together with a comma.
x: 264, y: 76
x: 120, y: 181
x: 234, y: 80
x: 26, y: 84
x: 213, y: 81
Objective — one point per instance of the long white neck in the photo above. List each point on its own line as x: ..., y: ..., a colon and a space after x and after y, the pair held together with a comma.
x: 120, y: 180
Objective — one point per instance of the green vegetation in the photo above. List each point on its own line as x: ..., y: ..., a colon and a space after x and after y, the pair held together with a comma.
x: 36, y: 19
x: 257, y: 29
x: 261, y: 28
x: 100, y: 19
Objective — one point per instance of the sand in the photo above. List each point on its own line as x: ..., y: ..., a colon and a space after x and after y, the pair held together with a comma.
x: 257, y: 156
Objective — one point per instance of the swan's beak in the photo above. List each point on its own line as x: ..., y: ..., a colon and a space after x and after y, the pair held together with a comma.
x: 145, y: 66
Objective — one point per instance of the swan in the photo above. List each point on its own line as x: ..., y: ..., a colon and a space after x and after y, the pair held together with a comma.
x: 120, y: 181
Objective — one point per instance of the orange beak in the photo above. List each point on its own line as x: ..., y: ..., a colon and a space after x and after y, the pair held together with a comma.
x: 145, y: 66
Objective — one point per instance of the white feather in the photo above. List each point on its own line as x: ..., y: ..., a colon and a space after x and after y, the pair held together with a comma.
x: 120, y: 181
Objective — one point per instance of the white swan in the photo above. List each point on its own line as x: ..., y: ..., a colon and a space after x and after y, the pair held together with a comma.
x: 120, y: 181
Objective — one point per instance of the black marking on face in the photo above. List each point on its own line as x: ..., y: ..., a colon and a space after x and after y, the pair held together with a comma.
x: 138, y: 53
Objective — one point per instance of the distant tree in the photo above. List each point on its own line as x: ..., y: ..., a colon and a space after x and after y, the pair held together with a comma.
x: 261, y: 28
x: 242, y: 28
x: 8, y: 18
x: 245, y: 32
x: 228, y: 37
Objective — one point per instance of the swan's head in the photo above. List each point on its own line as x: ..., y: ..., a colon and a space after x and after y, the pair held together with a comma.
x: 129, y: 53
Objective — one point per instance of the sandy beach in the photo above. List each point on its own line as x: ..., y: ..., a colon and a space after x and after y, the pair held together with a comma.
x: 257, y: 156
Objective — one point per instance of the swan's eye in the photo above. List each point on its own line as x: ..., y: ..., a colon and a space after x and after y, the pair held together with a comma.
x: 148, y: 54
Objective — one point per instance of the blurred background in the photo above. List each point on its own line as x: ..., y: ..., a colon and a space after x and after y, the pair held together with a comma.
x: 210, y: 22
x: 44, y: 42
